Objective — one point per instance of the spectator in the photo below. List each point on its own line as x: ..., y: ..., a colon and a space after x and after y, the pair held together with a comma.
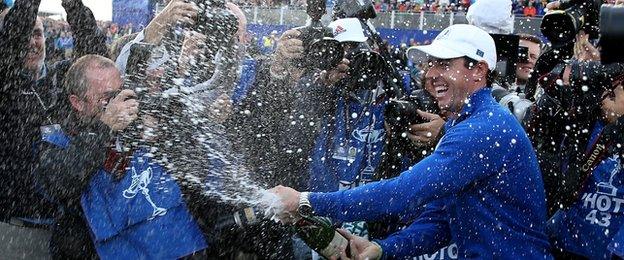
x: 65, y: 44
x: 530, y: 10
x: 31, y: 90
x: 402, y: 7
x: 541, y: 7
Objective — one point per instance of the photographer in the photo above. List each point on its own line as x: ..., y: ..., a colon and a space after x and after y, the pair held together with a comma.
x: 592, y: 226
x: 30, y: 99
x: 569, y: 92
x: 525, y: 66
x: 117, y: 204
x: 576, y: 128
x: 338, y: 120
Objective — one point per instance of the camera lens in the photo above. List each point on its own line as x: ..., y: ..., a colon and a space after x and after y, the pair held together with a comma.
x: 561, y: 27
x: 325, y: 53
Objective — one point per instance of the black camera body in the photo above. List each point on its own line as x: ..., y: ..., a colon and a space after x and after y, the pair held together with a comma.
x: 320, y: 49
x: 214, y: 19
x: 508, y: 53
x: 400, y: 114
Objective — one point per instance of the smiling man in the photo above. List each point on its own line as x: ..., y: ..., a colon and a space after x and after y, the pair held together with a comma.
x: 484, y: 171
x: 524, y: 69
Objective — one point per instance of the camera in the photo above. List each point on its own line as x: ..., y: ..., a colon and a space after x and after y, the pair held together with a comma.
x: 523, y: 54
x: 214, y: 19
x: 400, y: 114
x: 362, y: 9
x: 508, y: 54
x: 560, y: 27
x: 321, y: 50
x: 366, y: 66
x: 611, y: 33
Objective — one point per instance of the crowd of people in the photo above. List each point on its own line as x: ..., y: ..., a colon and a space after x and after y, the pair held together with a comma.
x: 527, y: 8
x: 60, y: 39
x: 141, y: 145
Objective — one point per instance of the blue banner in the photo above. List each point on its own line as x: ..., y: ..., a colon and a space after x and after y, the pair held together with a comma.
x: 395, y: 37
x: 137, y: 12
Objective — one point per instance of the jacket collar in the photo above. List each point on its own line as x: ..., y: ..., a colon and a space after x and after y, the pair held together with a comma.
x: 473, y: 103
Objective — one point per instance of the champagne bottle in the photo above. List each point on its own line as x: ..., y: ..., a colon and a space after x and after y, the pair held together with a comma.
x: 318, y: 234
x: 239, y: 219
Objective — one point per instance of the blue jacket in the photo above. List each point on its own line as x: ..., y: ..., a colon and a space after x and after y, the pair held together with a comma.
x: 486, y: 172
x: 246, y: 82
x: 592, y: 227
x: 349, y: 145
x: 141, y: 216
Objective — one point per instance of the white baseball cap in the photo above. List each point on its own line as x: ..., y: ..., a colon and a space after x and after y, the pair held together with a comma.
x: 457, y: 41
x: 348, y: 30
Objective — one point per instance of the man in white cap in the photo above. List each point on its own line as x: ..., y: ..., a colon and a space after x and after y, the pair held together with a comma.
x: 482, y: 185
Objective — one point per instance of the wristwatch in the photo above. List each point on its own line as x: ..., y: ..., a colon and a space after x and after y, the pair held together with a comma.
x: 305, y: 208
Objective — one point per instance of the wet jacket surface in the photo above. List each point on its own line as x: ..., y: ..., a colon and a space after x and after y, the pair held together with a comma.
x: 486, y: 171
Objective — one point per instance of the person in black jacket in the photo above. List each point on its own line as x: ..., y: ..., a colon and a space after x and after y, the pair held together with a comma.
x: 28, y: 100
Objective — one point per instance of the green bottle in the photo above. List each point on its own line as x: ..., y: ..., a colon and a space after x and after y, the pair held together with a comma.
x: 318, y: 234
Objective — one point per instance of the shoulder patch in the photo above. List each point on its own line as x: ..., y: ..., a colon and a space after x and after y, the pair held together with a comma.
x: 53, y: 134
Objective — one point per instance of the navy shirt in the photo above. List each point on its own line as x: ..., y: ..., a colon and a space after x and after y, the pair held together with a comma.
x: 486, y: 171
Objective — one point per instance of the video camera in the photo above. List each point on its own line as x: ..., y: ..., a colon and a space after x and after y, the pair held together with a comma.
x: 508, y: 55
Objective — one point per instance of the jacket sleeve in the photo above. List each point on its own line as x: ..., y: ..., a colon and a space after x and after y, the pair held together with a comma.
x: 89, y: 38
x: 425, y: 235
x: 64, y: 172
x: 15, y: 36
x: 464, y: 156
x: 617, y: 243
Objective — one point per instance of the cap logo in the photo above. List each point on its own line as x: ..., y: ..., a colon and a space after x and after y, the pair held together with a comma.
x: 339, y: 30
x: 480, y: 53
x: 444, y: 34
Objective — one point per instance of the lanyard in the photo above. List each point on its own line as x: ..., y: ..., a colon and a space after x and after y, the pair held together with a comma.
x: 40, y: 102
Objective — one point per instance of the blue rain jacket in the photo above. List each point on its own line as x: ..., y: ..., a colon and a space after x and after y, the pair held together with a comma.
x: 487, y: 173
x: 592, y: 227
x: 143, y: 216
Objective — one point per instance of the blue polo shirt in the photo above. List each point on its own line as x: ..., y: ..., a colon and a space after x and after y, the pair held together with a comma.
x: 487, y: 174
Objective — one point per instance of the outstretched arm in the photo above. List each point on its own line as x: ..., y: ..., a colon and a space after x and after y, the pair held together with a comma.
x: 89, y: 38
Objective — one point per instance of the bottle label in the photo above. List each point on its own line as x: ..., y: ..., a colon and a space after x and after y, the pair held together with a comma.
x: 334, y: 247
